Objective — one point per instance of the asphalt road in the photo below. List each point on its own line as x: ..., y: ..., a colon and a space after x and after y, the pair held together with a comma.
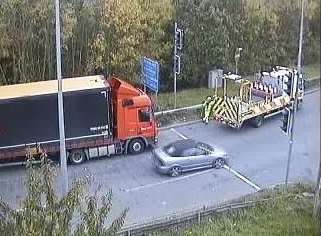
x: 257, y: 155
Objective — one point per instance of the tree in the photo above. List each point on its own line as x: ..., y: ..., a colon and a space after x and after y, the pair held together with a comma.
x: 27, y: 31
x: 44, y: 213
x: 128, y: 31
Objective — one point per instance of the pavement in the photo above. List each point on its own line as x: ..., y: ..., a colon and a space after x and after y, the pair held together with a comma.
x: 258, y: 158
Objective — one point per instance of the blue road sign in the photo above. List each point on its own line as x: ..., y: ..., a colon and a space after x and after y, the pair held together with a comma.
x: 150, y: 71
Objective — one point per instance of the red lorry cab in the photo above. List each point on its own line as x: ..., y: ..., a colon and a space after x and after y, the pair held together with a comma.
x: 133, y: 109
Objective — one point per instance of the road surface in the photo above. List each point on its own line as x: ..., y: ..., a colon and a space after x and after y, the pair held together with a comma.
x: 258, y: 160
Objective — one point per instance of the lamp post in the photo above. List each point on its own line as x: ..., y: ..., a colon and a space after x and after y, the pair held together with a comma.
x: 237, y: 58
x: 295, y: 102
x: 63, y: 158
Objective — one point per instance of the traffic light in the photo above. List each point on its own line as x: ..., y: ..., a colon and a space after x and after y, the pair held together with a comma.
x: 177, y: 64
x: 179, y: 33
x: 286, y: 119
x: 288, y: 84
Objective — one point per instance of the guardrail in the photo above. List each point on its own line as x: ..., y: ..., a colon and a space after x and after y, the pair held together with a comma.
x: 160, y: 113
x: 188, y: 218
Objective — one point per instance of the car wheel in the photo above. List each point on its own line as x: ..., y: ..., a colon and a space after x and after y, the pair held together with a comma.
x: 136, y: 146
x: 77, y: 157
x: 175, y: 171
x: 257, y: 121
x: 218, y: 163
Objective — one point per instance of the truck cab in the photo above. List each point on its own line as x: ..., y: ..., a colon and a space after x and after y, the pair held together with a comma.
x: 134, y: 123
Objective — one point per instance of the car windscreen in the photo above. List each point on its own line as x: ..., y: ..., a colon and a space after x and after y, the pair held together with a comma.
x: 170, y: 150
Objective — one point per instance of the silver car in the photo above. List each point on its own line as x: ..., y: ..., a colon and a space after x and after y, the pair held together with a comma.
x: 186, y: 155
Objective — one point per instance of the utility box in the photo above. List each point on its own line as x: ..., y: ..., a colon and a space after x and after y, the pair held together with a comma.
x: 215, y: 78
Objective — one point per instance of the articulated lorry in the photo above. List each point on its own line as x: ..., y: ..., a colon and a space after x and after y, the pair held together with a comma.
x: 240, y: 100
x: 102, y: 117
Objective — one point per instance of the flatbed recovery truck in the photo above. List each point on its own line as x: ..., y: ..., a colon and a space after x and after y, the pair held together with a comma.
x: 102, y: 117
x: 250, y: 100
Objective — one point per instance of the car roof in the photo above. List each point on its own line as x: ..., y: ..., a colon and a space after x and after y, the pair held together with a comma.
x: 185, y: 143
x: 182, y: 145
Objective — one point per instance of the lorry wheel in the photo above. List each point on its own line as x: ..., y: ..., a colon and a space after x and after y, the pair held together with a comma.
x: 136, y: 146
x: 77, y: 156
x: 257, y: 121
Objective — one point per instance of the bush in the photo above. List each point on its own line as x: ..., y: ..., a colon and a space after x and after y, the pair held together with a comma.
x: 44, y: 213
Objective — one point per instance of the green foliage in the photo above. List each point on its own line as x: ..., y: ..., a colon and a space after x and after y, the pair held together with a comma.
x: 267, y: 31
x: 44, y: 213
x: 116, y: 34
x: 311, y: 71
x: 130, y: 30
x: 286, y: 214
x: 26, y: 40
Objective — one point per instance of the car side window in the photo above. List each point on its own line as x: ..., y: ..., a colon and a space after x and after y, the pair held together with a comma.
x: 206, y: 148
x: 144, y: 115
x: 193, y: 152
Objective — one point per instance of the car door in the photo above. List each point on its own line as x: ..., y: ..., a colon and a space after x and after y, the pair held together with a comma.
x: 194, y: 158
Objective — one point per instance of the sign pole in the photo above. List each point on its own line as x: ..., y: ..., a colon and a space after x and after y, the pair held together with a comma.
x: 63, y: 156
x: 174, y: 69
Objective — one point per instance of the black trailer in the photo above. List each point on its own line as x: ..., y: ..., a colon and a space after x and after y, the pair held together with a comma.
x: 32, y: 120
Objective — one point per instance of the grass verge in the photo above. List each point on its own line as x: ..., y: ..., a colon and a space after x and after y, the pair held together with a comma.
x: 288, y: 213
x: 311, y: 71
x: 185, y: 98
x: 190, y: 97
x: 193, y: 96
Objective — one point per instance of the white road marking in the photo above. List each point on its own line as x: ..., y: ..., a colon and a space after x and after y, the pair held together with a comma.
x: 242, y: 177
x: 174, y: 179
x: 225, y: 166
x: 179, y: 134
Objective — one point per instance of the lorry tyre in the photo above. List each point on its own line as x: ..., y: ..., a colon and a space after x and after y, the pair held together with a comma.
x: 136, y: 146
x: 77, y: 157
x: 257, y: 121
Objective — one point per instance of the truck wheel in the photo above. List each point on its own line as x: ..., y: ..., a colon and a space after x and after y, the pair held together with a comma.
x: 257, y: 121
x: 77, y: 156
x: 136, y: 146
